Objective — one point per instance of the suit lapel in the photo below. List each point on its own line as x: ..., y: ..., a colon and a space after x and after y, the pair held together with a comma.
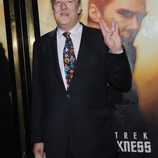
x: 82, y: 57
x: 55, y: 60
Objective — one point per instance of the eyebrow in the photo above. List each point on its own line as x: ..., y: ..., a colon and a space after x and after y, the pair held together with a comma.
x: 130, y: 13
x: 123, y: 11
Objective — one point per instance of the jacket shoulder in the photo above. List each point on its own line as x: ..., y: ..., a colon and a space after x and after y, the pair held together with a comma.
x: 46, y: 37
x: 93, y: 33
x: 91, y: 30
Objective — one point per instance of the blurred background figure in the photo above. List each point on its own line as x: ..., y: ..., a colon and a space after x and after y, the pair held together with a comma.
x: 7, y: 134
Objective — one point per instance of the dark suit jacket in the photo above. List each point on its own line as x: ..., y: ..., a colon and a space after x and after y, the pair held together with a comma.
x: 80, y: 116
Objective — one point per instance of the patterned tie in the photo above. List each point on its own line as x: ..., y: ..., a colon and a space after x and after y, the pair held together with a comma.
x: 69, y: 58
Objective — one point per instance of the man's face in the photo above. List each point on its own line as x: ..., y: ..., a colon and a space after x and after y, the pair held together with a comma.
x: 66, y: 13
x: 129, y: 15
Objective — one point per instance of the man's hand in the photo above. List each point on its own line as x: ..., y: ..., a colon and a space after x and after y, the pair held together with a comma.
x: 111, y: 36
x: 38, y: 149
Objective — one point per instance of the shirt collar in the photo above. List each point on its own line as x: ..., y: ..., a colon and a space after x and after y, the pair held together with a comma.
x: 73, y: 31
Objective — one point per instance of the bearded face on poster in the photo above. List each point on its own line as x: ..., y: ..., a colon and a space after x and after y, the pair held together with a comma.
x: 129, y: 15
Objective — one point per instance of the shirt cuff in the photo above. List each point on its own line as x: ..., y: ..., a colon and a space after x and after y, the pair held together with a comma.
x: 118, y: 52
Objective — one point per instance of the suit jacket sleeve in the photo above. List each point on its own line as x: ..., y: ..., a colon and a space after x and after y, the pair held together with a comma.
x: 119, y: 75
x: 37, y: 96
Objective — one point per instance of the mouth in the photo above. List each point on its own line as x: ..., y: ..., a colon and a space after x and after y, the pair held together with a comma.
x: 64, y: 14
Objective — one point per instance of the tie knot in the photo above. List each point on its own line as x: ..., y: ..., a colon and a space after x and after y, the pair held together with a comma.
x: 66, y: 35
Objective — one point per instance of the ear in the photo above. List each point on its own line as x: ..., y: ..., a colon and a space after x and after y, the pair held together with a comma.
x: 79, y: 10
x: 94, y: 13
x: 52, y: 8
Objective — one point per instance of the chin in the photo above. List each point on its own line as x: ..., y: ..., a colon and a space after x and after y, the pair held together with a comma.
x: 63, y: 22
x: 126, y: 35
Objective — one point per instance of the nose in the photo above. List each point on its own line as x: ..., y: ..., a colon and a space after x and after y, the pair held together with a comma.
x: 134, y: 23
x: 63, y: 5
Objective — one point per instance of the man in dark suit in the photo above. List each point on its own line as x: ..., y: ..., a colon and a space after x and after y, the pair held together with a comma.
x: 70, y: 115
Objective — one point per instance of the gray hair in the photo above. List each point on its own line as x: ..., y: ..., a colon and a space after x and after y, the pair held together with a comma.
x: 78, y: 1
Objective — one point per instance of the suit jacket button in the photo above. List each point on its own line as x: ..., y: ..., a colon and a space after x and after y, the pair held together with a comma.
x: 68, y: 96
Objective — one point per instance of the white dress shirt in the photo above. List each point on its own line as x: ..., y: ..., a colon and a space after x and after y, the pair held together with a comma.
x: 75, y: 35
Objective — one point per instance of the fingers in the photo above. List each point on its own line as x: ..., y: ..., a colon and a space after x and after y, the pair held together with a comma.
x: 38, y: 150
x: 109, y: 31
x: 104, y: 26
x: 111, y: 35
x: 40, y: 155
x: 117, y: 27
x: 106, y: 31
x: 114, y: 27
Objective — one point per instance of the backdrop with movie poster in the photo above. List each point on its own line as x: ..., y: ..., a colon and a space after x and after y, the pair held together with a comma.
x: 136, y: 112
